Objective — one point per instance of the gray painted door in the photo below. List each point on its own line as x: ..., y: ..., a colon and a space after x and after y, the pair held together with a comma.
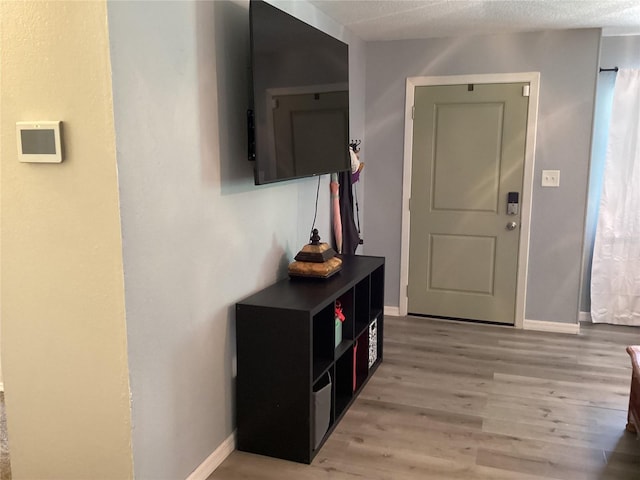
x: 468, y: 154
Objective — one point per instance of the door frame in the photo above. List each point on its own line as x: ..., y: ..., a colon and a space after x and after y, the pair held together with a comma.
x: 533, y: 78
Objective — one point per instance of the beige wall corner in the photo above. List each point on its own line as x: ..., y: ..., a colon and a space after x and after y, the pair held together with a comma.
x: 64, y: 346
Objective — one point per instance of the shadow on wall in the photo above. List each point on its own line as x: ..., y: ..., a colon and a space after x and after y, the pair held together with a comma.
x: 281, y: 265
x: 222, y: 35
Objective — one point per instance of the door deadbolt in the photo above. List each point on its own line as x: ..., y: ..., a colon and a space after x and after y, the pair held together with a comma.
x: 512, y: 203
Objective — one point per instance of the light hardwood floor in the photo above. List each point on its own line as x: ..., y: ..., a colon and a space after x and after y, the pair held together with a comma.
x: 467, y: 401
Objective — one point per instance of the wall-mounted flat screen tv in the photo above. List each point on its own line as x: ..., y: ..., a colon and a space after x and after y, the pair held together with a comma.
x: 299, y: 114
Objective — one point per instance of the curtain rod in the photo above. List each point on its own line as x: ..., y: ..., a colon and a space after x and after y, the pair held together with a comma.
x: 614, y: 69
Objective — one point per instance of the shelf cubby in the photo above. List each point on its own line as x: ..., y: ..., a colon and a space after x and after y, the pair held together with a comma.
x: 323, y: 346
x: 344, y: 381
x: 361, y: 358
x: 363, y: 305
x: 377, y: 292
x: 346, y: 302
x: 323, y: 408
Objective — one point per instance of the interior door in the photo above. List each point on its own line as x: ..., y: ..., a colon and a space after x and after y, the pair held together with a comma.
x: 468, y: 161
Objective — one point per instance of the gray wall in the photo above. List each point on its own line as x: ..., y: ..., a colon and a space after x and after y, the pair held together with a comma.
x: 197, y: 234
x: 567, y: 62
x: 623, y: 52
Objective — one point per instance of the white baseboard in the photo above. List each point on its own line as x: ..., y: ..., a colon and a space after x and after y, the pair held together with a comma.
x: 584, y: 317
x: 542, y: 326
x: 214, y: 460
x: 392, y: 311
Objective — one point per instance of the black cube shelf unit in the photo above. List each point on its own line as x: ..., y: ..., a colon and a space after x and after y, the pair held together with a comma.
x: 286, y: 351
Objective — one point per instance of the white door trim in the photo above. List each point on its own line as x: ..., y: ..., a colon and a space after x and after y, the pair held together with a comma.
x: 533, y: 78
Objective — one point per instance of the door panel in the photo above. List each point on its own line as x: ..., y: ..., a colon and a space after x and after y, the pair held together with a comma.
x: 468, y: 153
x: 451, y: 256
x: 476, y: 183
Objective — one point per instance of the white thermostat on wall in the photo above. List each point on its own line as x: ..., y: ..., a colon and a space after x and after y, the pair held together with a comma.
x: 39, y: 142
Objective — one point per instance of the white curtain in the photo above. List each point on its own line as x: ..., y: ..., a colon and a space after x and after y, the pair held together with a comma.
x: 615, y: 277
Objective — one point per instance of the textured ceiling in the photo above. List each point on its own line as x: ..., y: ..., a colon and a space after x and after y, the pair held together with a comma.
x: 405, y: 19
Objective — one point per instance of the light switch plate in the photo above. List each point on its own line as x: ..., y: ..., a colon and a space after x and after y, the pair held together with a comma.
x: 550, y: 178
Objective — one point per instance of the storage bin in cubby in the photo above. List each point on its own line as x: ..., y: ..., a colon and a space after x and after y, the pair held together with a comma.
x: 321, y: 408
x: 373, y: 342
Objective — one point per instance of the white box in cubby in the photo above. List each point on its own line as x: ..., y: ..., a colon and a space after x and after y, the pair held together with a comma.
x: 373, y: 342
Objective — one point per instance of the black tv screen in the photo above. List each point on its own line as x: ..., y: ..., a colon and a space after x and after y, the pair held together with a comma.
x: 299, y: 113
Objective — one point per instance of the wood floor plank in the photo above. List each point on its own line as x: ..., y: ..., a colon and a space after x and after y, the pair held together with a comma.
x: 553, y: 413
x: 397, y: 373
x: 566, y: 468
x: 427, y: 397
x: 623, y: 464
x: 614, y: 396
x: 383, y: 411
x: 559, y: 435
x: 455, y: 401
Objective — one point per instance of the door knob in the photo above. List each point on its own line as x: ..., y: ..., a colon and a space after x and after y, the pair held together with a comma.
x: 511, y: 225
